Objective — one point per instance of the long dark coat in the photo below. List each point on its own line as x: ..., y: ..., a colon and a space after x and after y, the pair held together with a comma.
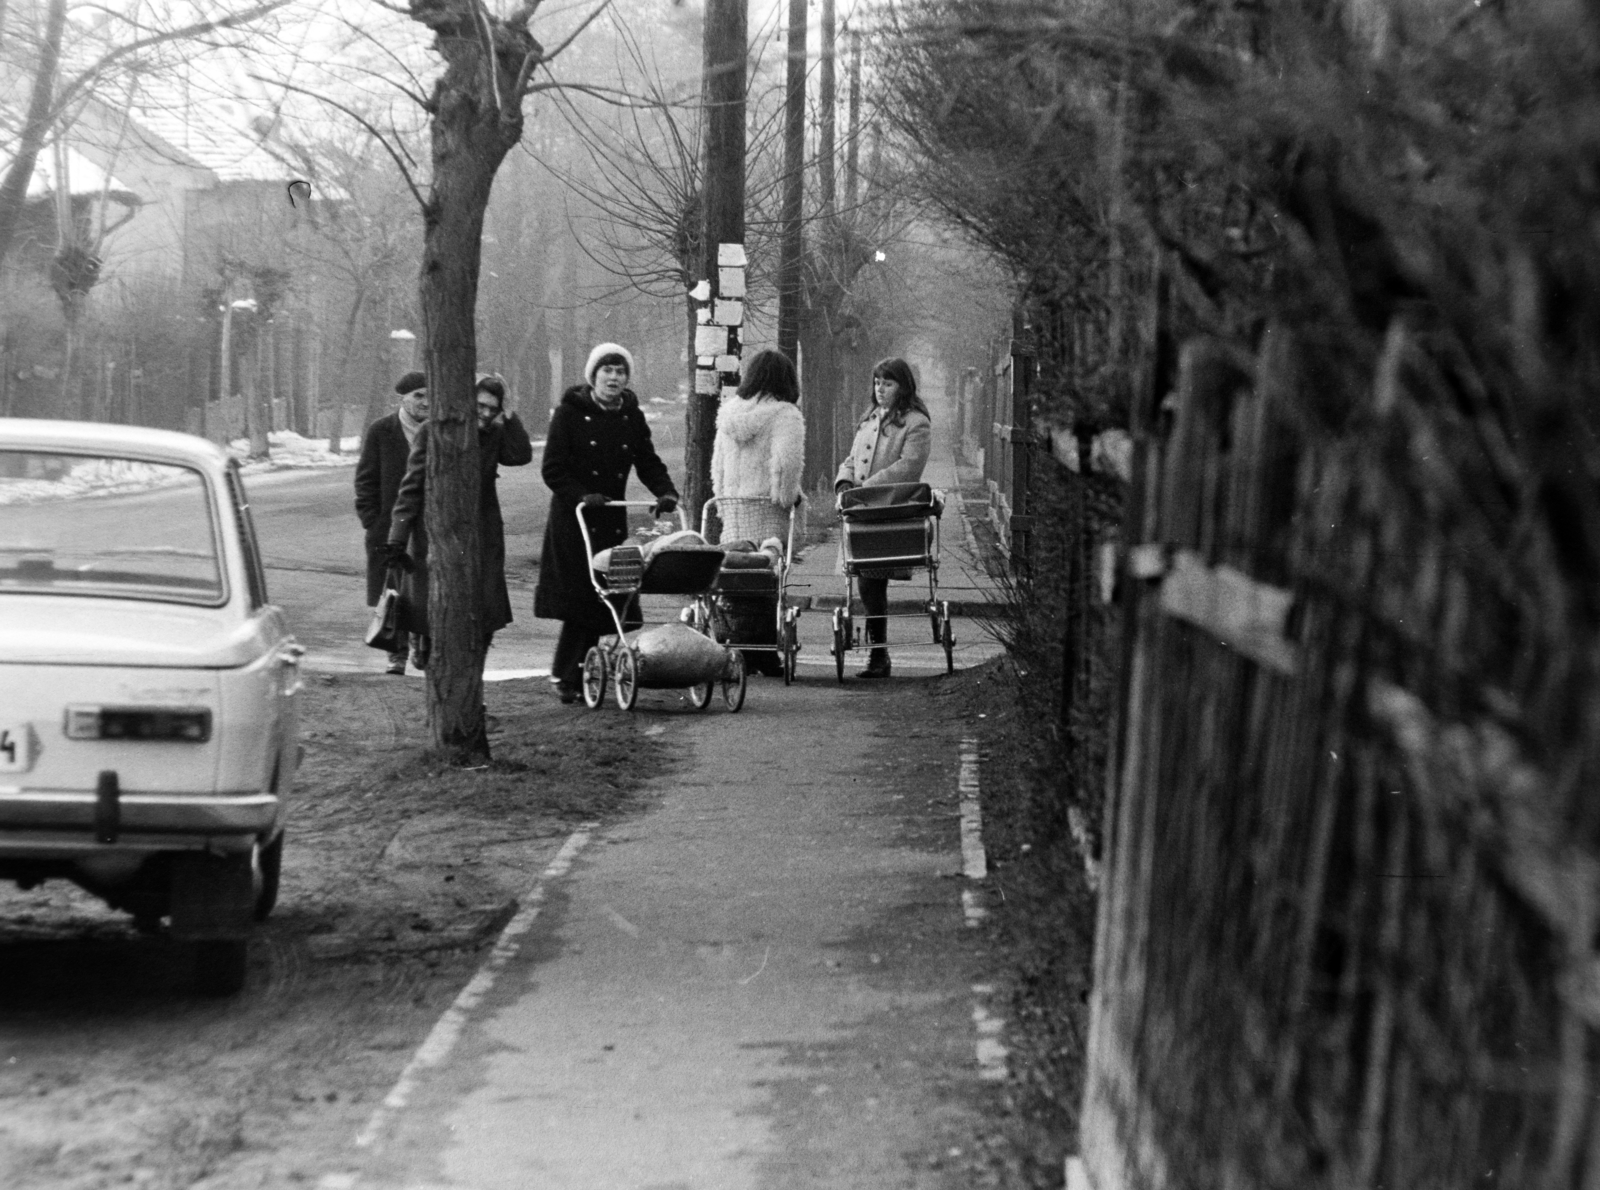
x: 589, y: 450
x: 502, y: 445
x: 384, y: 451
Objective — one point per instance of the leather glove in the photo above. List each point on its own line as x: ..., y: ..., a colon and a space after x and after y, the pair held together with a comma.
x: 844, y: 485
x: 665, y: 506
x: 395, y: 557
x: 593, y: 500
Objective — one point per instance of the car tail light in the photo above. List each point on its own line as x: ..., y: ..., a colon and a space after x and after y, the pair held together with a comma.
x: 187, y: 724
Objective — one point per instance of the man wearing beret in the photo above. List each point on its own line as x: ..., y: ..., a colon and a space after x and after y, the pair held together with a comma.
x: 384, y: 451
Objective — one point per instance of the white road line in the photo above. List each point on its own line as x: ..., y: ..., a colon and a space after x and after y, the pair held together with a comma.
x: 974, y: 863
x: 442, y: 1038
x: 972, y: 907
x: 991, y: 1051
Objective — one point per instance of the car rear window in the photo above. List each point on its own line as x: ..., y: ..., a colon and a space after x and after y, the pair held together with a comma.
x: 104, y: 526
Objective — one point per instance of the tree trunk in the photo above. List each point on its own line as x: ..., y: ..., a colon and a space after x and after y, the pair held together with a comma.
x: 828, y: 89
x: 471, y: 134
x: 255, y: 411
x: 791, y: 283
x: 71, y: 396
x: 852, y: 149
x: 726, y: 50
x: 346, y: 380
x: 35, y: 126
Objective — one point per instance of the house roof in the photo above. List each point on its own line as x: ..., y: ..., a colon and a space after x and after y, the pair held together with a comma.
x: 83, y: 175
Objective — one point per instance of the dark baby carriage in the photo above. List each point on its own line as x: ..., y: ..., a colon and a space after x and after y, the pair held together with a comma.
x: 749, y: 605
x: 890, y: 530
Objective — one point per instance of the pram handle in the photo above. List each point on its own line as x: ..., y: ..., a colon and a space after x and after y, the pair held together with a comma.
x: 705, y: 521
x: 583, y: 525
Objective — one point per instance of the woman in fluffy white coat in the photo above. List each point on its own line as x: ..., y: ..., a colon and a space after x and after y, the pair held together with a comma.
x: 759, y: 451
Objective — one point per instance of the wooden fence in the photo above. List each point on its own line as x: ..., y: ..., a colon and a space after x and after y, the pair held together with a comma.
x: 1351, y: 891
x: 995, y: 431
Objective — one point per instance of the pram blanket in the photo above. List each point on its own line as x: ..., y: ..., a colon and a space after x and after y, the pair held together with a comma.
x: 677, y: 563
x: 676, y: 655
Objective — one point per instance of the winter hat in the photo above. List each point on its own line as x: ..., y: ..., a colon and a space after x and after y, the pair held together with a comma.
x: 491, y: 383
x: 410, y: 383
x: 600, y: 352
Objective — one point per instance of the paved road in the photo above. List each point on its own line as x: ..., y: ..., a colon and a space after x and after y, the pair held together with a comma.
x: 316, y: 567
x: 312, y: 543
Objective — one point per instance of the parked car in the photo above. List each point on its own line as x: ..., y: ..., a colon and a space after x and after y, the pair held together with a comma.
x: 148, y: 689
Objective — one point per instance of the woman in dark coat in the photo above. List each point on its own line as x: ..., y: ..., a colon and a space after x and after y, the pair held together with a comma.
x: 502, y: 442
x: 597, y: 435
x: 384, y: 451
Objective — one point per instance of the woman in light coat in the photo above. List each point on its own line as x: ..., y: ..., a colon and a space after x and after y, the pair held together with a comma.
x: 756, y: 460
x: 891, y: 446
x: 759, y: 451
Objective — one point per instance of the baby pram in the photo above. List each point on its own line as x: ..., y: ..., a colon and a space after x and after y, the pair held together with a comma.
x: 671, y: 654
x: 749, y: 605
x: 891, y: 530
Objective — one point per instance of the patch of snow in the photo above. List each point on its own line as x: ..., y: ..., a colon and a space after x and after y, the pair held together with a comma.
x: 95, y: 477
x: 288, y: 449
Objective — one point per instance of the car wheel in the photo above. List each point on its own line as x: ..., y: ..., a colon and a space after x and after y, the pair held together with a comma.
x: 220, y: 966
x: 269, y: 862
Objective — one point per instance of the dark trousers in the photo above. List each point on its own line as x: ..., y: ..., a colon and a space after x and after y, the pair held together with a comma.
x: 875, y: 599
x: 572, y: 646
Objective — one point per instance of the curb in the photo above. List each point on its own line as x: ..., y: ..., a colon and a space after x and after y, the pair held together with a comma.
x: 969, y: 608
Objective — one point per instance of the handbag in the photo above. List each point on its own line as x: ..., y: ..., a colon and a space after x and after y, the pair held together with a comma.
x: 383, y: 630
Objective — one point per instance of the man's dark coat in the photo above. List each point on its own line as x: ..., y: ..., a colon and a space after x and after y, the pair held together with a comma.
x: 382, y: 466
x: 504, y: 445
x: 589, y: 450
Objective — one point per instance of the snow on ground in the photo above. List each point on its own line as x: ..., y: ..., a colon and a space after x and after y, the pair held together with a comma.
x: 288, y: 449
x: 58, y: 480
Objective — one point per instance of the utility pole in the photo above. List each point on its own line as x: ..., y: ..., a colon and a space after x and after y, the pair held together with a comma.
x: 722, y: 262
x: 791, y: 296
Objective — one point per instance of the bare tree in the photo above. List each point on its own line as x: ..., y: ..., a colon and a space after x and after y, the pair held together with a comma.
x: 475, y: 108
x: 52, y: 97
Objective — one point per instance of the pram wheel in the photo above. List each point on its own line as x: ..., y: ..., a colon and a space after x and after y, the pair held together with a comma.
x: 734, y: 681
x: 841, y: 633
x: 700, y: 695
x: 790, y: 646
x: 947, y: 637
x: 594, y: 678
x: 627, y: 678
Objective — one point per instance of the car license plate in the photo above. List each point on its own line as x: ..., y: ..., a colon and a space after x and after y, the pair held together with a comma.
x: 18, y: 747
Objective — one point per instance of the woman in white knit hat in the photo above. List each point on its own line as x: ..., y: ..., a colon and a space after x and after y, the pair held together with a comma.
x: 597, y: 435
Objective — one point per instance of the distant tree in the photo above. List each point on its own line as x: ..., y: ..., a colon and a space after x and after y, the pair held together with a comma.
x: 130, y: 43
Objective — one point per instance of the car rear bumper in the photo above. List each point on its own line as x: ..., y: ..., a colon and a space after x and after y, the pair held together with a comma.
x: 52, y: 822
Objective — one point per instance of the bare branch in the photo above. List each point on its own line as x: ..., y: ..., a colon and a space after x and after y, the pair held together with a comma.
x: 480, y: 22
x: 377, y: 135
x: 571, y: 37
x: 69, y: 92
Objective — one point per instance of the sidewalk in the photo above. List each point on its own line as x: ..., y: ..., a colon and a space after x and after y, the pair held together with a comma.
x: 766, y: 981
x: 963, y: 580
